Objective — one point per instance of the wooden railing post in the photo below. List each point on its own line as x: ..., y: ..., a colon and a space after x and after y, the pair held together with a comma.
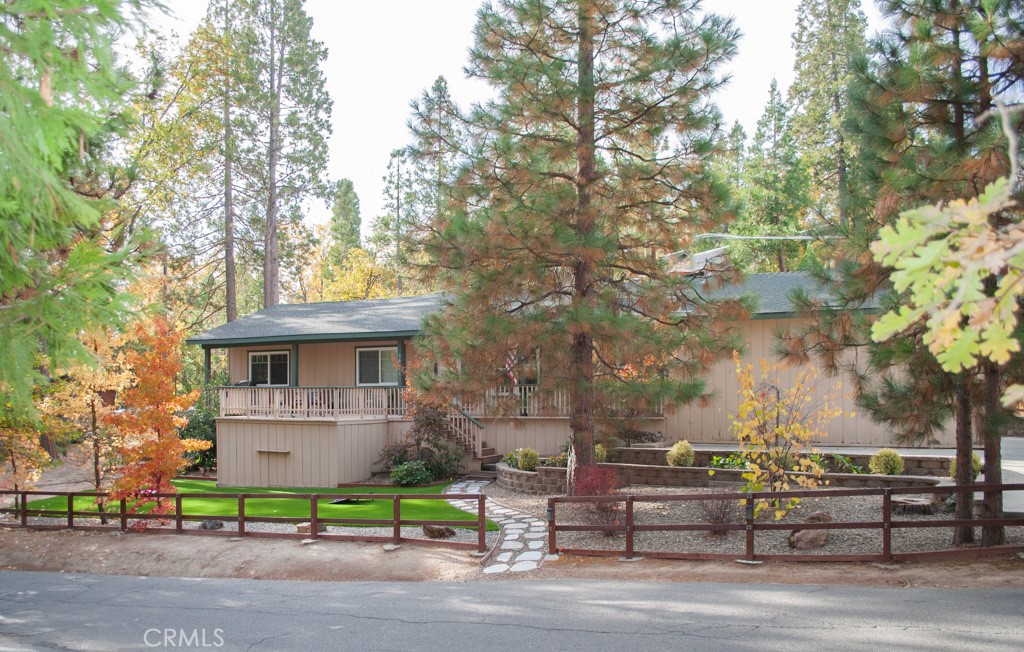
x: 314, y: 524
x: 241, y: 515
x: 24, y: 509
x: 397, y: 532
x: 123, y: 514
x: 629, y: 527
x: 71, y: 509
x: 552, y: 528
x: 178, y: 525
x: 481, y: 523
x: 887, y: 525
x: 750, y: 525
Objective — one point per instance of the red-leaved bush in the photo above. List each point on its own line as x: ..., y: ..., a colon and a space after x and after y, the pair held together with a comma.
x: 599, y: 481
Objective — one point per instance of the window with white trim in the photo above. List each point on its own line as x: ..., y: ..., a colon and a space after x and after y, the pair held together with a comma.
x: 377, y: 366
x: 269, y: 368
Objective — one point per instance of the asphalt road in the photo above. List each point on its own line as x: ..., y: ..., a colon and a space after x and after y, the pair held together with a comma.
x: 54, y: 611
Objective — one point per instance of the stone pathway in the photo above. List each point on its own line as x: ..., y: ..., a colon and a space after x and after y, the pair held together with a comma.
x: 523, y: 536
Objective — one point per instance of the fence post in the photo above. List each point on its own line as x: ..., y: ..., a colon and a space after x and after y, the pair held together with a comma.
x: 71, y: 509
x: 481, y: 523
x: 887, y: 524
x: 750, y: 525
x: 552, y: 528
x: 241, y: 515
x: 177, y: 513
x: 24, y: 509
x: 396, y: 536
x: 314, y: 523
x: 629, y: 527
x: 124, y: 514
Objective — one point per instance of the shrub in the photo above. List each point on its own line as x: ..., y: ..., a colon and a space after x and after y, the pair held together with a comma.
x: 410, y: 473
x: 632, y: 436
x: 394, y: 454
x: 528, y: 459
x: 428, y: 441
x: 510, y: 459
x: 444, y: 459
x: 733, y: 461
x: 681, y: 454
x: 844, y: 464
x: 718, y: 511
x: 202, y: 425
x: 886, y: 462
x: 598, y: 481
x: 975, y: 466
x: 560, y: 460
x: 600, y: 453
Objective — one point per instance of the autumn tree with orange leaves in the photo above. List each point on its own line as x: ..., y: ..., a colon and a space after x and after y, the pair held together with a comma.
x: 152, y: 452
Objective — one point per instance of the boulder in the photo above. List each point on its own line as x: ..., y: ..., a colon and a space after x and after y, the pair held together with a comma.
x: 211, y: 524
x: 438, y: 532
x: 306, y: 528
x: 810, y: 539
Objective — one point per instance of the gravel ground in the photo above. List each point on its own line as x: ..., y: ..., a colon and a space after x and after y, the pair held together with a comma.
x: 859, y: 508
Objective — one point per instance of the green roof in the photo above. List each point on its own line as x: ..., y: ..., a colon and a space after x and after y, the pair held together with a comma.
x: 403, y: 316
x: 325, y: 322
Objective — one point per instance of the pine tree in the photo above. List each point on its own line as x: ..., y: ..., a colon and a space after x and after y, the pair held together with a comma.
x: 345, y: 220
x: 776, y: 191
x: 828, y: 35
x: 916, y: 104
x: 285, y: 121
x: 577, y: 180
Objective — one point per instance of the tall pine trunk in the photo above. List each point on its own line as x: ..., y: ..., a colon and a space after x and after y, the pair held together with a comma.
x: 230, y: 298
x: 964, y: 472
x: 271, y: 252
x: 581, y: 420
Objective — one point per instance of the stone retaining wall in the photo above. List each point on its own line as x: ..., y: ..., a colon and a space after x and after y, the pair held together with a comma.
x: 912, y: 464
x: 551, y: 480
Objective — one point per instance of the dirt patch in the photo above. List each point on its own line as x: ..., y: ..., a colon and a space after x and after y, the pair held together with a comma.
x: 197, y: 556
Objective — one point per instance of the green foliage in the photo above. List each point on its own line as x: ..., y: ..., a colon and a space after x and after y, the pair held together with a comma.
x: 731, y: 461
x: 202, y: 425
x: 345, y: 220
x: 600, y: 453
x: 843, y: 464
x: 511, y: 459
x: 66, y: 257
x: 528, y: 459
x: 427, y: 441
x: 886, y: 462
x: 975, y: 466
x: 681, y: 454
x: 561, y: 460
x: 632, y: 436
x: 410, y: 473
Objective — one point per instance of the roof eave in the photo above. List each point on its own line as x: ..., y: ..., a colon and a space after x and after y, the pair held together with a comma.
x: 227, y: 342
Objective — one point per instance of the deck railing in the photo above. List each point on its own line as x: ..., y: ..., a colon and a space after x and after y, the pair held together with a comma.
x: 535, y: 401
x: 312, y: 402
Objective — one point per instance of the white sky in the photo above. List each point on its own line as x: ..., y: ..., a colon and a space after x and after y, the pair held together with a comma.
x: 384, y: 53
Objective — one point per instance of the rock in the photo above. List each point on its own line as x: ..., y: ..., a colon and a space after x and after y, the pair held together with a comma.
x: 211, y: 524
x: 306, y: 528
x: 391, y: 547
x: 811, y: 539
x: 438, y: 532
x: 913, y: 504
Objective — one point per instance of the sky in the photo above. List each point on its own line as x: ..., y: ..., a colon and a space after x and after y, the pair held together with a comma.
x: 382, y: 54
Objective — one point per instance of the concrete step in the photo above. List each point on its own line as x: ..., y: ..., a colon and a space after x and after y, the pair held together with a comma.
x: 489, y: 459
x: 487, y: 451
x: 480, y: 475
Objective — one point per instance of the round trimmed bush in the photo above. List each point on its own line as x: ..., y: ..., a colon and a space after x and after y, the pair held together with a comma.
x: 681, y: 454
x: 975, y: 466
x: 600, y: 453
x: 410, y: 473
x: 886, y: 462
x: 529, y: 459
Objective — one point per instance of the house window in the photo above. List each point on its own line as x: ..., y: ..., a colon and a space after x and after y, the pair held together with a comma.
x: 377, y: 366
x: 268, y: 368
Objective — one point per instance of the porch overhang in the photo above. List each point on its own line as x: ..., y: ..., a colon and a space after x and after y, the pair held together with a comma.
x: 230, y: 342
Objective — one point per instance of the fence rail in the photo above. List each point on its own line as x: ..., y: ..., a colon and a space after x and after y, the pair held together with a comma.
x: 750, y: 526
x: 312, y: 402
x: 121, y: 515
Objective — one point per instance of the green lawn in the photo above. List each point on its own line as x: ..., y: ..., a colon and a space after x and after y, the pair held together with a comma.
x: 421, y: 510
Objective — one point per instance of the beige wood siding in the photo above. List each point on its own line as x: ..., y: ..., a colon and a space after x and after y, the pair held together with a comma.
x: 327, y: 364
x: 711, y: 422
x: 296, y: 453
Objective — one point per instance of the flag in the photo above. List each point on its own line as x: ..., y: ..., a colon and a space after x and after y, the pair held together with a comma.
x: 511, y: 360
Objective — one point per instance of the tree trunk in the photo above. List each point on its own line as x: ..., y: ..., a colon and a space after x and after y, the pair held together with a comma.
x: 992, y: 502
x: 230, y: 299
x: 581, y: 420
x: 964, y: 472
x: 271, y: 252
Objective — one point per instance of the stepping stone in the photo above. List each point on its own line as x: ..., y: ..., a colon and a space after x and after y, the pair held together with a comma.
x: 533, y: 555
x: 505, y: 556
x: 536, y: 545
x: 551, y: 558
x: 512, y: 537
x: 497, y: 568
x: 535, y: 535
x: 521, y: 566
x: 512, y: 545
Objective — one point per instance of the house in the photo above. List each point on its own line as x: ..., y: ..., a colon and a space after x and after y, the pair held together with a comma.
x: 319, y: 390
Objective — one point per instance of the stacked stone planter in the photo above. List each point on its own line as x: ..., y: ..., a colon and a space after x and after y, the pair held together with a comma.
x: 545, y: 481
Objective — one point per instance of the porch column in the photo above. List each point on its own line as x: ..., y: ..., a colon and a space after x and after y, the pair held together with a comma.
x: 295, y: 365
x: 401, y: 362
x: 206, y: 365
